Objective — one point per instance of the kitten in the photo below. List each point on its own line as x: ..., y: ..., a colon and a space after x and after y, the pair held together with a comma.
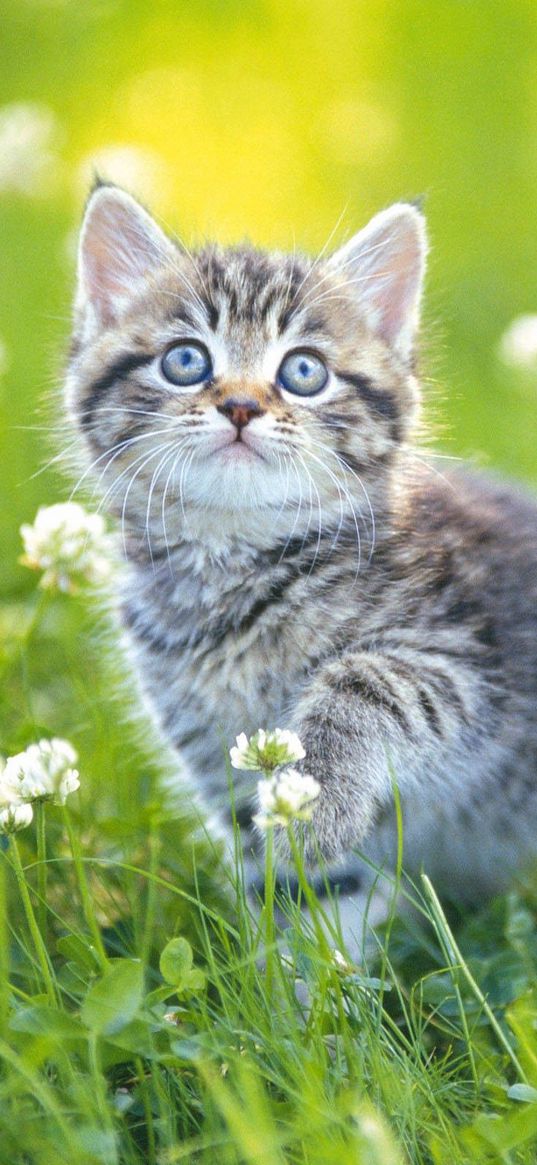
x: 251, y: 418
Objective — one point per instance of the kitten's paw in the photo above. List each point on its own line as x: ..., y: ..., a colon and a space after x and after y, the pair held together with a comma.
x: 337, y: 824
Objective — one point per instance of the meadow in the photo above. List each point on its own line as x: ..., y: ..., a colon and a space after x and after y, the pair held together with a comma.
x: 148, y: 1013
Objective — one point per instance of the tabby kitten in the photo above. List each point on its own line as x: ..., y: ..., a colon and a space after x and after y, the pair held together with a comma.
x: 251, y: 419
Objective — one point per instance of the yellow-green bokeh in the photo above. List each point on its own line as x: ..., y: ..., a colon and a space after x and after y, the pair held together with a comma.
x: 290, y: 122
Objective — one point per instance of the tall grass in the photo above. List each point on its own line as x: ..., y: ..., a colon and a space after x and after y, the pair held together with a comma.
x: 151, y: 1011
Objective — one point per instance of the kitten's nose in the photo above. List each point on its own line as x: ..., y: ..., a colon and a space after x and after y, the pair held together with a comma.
x: 240, y: 412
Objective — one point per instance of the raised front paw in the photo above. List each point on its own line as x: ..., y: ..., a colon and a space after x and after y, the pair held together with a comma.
x: 338, y: 818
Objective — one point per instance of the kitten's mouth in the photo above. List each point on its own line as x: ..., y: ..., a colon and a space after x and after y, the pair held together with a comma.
x: 239, y: 450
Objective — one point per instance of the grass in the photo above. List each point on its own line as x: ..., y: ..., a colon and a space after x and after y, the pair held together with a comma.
x: 144, y: 1018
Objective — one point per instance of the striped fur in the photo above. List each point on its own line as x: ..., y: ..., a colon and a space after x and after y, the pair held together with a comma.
x: 322, y: 578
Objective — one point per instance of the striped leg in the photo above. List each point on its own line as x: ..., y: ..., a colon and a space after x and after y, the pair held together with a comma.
x: 368, y: 715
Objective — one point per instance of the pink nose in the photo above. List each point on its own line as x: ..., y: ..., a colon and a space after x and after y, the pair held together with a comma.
x: 240, y: 412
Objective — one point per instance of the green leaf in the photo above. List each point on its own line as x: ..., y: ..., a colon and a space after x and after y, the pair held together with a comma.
x: 196, y: 980
x: 79, y: 951
x: 522, y: 1092
x: 190, y: 1049
x: 134, y: 1037
x: 40, y: 1020
x: 176, y: 961
x: 114, y: 1000
x: 159, y: 995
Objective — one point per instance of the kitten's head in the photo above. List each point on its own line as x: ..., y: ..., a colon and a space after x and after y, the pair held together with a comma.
x: 236, y: 388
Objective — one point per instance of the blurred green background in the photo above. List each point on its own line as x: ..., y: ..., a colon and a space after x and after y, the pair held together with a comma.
x: 284, y: 121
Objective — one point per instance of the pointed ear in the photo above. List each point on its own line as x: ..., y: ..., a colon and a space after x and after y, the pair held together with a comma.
x: 121, y: 247
x: 384, y: 265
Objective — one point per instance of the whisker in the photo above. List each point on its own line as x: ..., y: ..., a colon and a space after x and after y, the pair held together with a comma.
x: 163, y: 505
x: 154, y: 479
x: 334, y: 294
x: 115, y: 450
x: 184, y: 470
x: 317, y: 260
x: 348, y: 498
x: 432, y: 469
x: 311, y: 483
x: 284, y: 503
x: 347, y: 470
x: 156, y: 416
x: 155, y: 453
x: 58, y: 457
x: 297, y: 514
x: 113, y: 488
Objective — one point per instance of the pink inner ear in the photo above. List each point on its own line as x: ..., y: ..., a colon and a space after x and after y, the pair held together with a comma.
x: 384, y: 265
x: 396, y: 294
x: 120, y: 247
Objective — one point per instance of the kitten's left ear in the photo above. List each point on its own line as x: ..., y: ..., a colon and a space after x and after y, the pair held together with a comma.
x: 385, y: 265
x: 121, y: 249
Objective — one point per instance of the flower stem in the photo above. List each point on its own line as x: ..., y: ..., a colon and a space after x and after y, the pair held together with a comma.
x: 308, y: 893
x: 269, y: 912
x: 41, y: 868
x: 40, y: 948
x: 85, y: 897
x: 4, y: 945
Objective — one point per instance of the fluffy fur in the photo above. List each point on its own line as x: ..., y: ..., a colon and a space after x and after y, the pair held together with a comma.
x: 307, y: 570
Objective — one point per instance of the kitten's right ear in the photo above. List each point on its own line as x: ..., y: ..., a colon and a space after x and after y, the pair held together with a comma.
x: 384, y: 264
x: 121, y: 248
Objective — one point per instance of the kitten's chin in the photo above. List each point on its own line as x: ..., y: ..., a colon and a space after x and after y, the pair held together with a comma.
x: 234, y: 474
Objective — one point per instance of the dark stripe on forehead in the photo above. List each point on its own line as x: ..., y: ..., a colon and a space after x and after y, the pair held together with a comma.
x: 314, y: 324
x: 181, y: 310
x: 269, y: 299
x: 380, y: 401
x: 213, y: 314
x: 121, y: 367
x: 291, y: 283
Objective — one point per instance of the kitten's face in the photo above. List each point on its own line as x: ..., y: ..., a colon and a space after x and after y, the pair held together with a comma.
x: 235, y: 384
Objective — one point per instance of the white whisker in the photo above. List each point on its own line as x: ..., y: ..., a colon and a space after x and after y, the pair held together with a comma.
x: 155, y: 453
x: 318, y: 460
x: 313, y: 486
x: 115, y: 450
x: 154, y: 479
x: 347, y: 470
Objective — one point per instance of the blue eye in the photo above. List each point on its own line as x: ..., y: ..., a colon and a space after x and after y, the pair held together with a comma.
x: 186, y: 364
x: 303, y: 373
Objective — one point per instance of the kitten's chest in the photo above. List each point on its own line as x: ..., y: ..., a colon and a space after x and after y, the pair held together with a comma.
x: 227, y: 649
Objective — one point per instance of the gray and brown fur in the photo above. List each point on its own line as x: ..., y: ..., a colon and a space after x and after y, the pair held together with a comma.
x: 330, y: 582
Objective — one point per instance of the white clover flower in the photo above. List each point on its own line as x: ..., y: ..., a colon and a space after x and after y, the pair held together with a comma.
x: 43, y: 772
x: 518, y: 345
x: 266, y: 751
x: 68, y: 544
x: 341, y: 963
x: 286, y: 797
x: 15, y: 815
